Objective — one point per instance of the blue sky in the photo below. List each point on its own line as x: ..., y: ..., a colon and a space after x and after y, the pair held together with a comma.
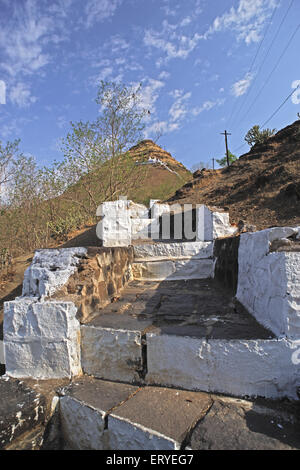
x: 194, y: 58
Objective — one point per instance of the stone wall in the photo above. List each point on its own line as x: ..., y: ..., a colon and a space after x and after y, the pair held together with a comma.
x: 101, y: 274
x: 269, y: 281
x: 61, y: 287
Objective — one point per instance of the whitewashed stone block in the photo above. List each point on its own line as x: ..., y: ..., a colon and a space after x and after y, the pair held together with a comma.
x: 126, y: 435
x: 237, y: 367
x: 160, y: 251
x: 50, y: 270
x: 138, y: 211
x: 173, y: 269
x: 83, y: 427
x: 111, y: 354
x: 159, y: 209
x: 115, y: 227
x: 269, y: 283
x: 41, y: 339
x: 212, y: 225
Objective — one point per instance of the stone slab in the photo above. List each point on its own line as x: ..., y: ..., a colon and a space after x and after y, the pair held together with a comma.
x: 236, y: 367
x: 112, y: 354
x: 195, y: 308
x: 156, y: 418
x: 84, y: 406
x: 161, y: 251
x: 234, y: 424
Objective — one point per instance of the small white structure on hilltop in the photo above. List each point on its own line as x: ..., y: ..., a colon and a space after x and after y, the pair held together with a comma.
x: 123, y: 221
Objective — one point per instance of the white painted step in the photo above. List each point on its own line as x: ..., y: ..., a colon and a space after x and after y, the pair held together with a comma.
x: 259, y: 367
x: 255, y: 367
x: 173, y: 269
x: 165, y: 251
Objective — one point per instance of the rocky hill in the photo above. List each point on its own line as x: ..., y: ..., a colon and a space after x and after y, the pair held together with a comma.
x: 164, y: 174
x: 262, y: 187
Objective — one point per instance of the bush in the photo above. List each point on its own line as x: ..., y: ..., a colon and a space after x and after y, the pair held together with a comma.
x: 256, y: 136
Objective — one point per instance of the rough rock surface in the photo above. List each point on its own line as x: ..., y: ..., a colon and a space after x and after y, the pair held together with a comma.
x: 233, y: 424
x: 100, y: 276
x: 50, y: 270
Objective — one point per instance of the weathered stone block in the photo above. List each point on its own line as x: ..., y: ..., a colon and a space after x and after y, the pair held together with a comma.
x: 269, y: 283
x: 111, y: 354
x: 50, y: 270
x: 161, y: 251
x: 173, y: 269
x: 236, y: 367
x: 42, y: 339
x: 212, y: 224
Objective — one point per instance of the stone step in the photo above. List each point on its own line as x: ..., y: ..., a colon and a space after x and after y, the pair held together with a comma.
x: 187, y: 334
x: 173, y: 269
x: 102, y: 415
x: 164, y: 251
x: 159, y: 261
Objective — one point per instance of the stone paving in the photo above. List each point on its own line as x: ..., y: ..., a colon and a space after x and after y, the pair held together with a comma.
x: 197, y: 308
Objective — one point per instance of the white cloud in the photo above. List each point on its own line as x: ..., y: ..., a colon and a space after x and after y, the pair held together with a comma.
x: 164, y: 75
x: 247, y: 20
x: 24, y: 37
x: 171, y: 41
x: 20, y: 95
x: 149, y: 94
x: 160, y: 128
x: 207, y: 106
x: 296, y: 95
x: 240, y: 87
x: 100, y: 10
x: 179, y: 109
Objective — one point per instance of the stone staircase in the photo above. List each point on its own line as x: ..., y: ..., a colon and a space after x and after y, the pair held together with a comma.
x: 171, y: 360
x: 178, y: 327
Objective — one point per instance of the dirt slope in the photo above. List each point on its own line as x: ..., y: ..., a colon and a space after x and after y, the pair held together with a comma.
x: 262, y: 187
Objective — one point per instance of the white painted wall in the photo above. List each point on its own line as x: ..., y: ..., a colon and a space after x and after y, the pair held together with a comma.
x: 236, y: 367
x: 269, y: 283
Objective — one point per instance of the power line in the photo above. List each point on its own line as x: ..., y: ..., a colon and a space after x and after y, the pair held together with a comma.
x: 270, y: 75
x: 252, y: 64
x: 279, y: 107
x: 266, y: 55
x: 273, y: 114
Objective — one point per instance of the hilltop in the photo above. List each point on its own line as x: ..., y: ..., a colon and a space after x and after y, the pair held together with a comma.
x: 261, y: 188
x: 164, y: 173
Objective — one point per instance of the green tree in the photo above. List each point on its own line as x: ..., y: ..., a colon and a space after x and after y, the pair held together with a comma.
x: 223, y: 161
x: 96, y: 153
x: 257, y: 136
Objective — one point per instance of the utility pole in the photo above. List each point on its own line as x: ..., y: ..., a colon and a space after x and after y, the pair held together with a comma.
x: 213, y: 163
x: 226, y: 144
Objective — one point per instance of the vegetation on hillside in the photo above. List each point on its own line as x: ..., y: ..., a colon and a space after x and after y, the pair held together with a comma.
x: 39, y: 207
